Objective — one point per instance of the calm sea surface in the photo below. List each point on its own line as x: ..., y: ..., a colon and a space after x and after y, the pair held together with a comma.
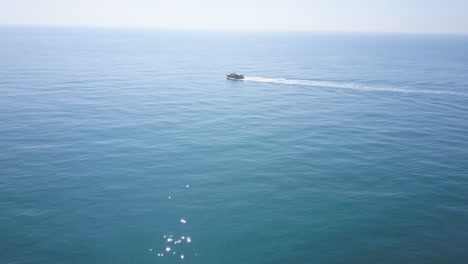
x: 130, y: 146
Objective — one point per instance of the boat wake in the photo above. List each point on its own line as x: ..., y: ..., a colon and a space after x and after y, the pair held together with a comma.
x: 353, y: 86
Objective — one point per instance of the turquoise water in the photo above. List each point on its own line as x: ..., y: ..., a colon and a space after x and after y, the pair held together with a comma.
x: 337, y: 148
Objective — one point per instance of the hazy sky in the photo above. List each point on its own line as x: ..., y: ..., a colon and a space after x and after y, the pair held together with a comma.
x: 437, y: 16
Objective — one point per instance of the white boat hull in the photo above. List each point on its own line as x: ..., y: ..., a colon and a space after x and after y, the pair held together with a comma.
x: 235, y: 79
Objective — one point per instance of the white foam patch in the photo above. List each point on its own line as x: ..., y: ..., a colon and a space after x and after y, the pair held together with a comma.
x: 343, y: 85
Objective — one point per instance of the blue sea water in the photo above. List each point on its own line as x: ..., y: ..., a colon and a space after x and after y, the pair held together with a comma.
x: 130, y: 146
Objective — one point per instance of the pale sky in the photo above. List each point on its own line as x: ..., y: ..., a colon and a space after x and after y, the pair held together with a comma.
x: 425, y: 16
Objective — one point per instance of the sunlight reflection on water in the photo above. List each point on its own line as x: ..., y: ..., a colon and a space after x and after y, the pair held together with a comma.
x: 177, y: 243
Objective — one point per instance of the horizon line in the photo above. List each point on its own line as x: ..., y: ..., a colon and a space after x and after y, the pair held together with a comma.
x: 233, y: 30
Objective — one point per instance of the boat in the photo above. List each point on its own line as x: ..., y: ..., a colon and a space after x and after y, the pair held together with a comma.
x: 235, y: 76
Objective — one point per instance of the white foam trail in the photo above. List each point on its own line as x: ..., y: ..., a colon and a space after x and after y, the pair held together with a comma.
x: 353, y: 86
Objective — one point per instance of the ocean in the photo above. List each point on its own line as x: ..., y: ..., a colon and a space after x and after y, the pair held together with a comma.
x: 130, y: 146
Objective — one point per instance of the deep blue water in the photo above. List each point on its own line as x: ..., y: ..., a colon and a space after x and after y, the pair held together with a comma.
x: 337, y: 148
